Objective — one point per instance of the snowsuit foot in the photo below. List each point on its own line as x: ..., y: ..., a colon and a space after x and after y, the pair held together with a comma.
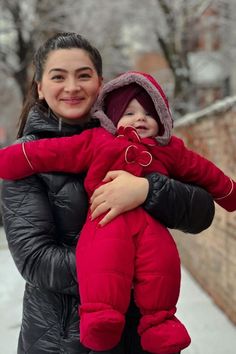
x: 166, y: 337
x: 100, y: 326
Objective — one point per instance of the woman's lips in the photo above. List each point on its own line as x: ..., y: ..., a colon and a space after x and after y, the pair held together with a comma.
x: 72, y: 101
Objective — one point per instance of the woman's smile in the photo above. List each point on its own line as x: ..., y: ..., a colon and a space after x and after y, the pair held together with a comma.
x: 72, y: 100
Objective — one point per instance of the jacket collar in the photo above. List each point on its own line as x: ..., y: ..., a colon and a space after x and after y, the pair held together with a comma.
x: 42, y: 122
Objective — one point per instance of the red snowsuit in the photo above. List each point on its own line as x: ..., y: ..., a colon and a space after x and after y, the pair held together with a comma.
x: 133, y: 248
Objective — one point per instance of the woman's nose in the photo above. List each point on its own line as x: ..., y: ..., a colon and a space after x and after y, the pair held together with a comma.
x: 72, y: 85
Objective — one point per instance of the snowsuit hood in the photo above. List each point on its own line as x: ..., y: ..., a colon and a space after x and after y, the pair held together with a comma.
x: 154, y: 90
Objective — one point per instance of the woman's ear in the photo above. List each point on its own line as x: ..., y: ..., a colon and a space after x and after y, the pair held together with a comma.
x: 101, y: 82
x: 40, y: 93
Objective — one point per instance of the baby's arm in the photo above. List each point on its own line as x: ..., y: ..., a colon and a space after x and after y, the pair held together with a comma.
x: 194, y: 168
x: 13, y: 163
x: 68, y: 154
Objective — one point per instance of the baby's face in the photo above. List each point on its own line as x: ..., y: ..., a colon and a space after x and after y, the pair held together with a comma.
x: 136, y: 117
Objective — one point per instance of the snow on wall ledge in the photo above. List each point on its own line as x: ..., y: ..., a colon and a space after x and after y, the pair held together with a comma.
x: 216, y: 108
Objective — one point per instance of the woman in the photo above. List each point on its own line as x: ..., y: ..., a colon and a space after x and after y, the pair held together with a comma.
x: 43, y: 214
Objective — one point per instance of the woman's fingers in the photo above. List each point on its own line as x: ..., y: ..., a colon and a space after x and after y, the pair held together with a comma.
x: 111, y: 175
x: 121, y: 192
x: 107, y: 193
x: 97, y: 200
x: 99, y: 210
x: 109, y: 217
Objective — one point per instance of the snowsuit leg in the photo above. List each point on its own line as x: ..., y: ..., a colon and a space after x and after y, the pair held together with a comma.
x: 105, y: 269
x: 156, y: 289
x: 132, y: 249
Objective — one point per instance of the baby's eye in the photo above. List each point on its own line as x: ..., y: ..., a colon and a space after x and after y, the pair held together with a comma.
x: 129, y: 113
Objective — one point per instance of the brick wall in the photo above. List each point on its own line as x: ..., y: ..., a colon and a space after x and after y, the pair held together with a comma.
x: 211, y: 256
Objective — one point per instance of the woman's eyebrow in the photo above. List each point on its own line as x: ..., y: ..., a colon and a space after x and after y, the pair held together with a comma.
x: 77, y: 70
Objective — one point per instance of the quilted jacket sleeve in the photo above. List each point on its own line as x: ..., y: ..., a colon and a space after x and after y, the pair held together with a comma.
x: 178, y: 205
x: 31, y: 236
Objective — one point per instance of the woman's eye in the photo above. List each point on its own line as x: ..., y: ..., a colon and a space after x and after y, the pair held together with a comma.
x: 84, y: 76
x: 57, y: 78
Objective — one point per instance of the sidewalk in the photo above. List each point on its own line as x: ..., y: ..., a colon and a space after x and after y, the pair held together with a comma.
x: 211, y: 331
x: 11, y: 292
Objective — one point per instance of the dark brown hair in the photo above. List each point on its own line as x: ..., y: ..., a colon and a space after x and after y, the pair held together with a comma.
x: 64, y: 40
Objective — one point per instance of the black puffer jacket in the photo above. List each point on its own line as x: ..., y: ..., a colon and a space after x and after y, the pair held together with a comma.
x: 43, y: 215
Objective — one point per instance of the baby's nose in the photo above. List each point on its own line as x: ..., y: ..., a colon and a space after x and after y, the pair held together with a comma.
x: 141, y: 116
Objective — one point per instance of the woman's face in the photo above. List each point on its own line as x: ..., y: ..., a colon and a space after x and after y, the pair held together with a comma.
x: 70, y: 84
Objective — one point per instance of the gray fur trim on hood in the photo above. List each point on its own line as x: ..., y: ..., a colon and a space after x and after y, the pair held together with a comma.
x: 154, y: 90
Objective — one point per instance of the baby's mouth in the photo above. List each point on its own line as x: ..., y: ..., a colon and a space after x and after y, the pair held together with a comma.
x: 141, y: 127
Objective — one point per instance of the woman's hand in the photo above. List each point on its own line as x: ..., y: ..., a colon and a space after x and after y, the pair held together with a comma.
x: 121, y: 192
